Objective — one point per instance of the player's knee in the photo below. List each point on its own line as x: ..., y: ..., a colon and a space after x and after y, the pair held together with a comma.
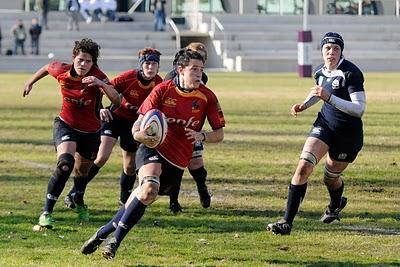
x: 149, y: 189
x: 330, y: 177
x: 101, y: 160
x: 65, y: 165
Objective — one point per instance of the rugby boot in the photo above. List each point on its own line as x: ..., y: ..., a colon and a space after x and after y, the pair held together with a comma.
x: 280, y: 227
x: 110, y: 248
x: 92, y: 244
x: 205, y: 198
x: 333, y: 214
x: 175, y: 207
x: 46, y: 220
x: 81, y: 209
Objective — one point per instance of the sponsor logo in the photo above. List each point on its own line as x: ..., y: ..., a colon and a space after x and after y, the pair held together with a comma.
x: 65, y: 137
x: 81, y: 102
x: 131, y: 107
x: 335, y: 84
x: 133, y: 93
x: 316, y: 130
x: 108, y: 131
x: 342, y: 156
x: 186, y: 123
x: 153, y: 158
x: 169, y: 101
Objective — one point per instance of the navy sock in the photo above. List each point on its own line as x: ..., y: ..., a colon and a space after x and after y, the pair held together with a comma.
x: 91, y: 174
x: 295, y: 197
x: 80, y: 188
x: 199, y: 175
x: 126, y: 182
x: 336, y: 196
x: 110, y: 227
x: 134, y: 212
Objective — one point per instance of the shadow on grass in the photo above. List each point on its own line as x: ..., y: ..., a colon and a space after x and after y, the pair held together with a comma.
x: 332, y: 263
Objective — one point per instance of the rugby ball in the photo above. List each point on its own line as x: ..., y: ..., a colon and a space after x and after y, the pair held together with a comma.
x: 158, y: 125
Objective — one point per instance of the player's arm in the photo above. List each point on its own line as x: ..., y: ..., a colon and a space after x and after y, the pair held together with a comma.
x: 355, y: 107
x: 213, y: 136
x: 107, y: 89
x: 42, y: 72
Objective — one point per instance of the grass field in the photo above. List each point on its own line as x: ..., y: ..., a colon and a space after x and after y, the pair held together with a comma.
x: 248, y: 176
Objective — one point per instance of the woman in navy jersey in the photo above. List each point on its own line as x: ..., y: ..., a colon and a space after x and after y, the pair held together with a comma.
x: 134, y: 86
x: 76, y: 129
x: 337, y: 131
x: 186, y: 103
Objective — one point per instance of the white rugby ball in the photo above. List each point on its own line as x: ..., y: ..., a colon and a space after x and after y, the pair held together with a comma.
x: 158, y: 125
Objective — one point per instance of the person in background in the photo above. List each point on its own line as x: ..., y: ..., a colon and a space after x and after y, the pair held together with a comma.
x: 0, y: 39
x: 34, y: 31
x: 73, y: 8
x: 43, y: 8
x: 158, y: 7
x: 109, y: 8
x: 19, y: 35
x: 337, y: 131
x: 76, y: 131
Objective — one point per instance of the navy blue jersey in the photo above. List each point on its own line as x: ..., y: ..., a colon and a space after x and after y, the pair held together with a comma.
x: 343, y: 81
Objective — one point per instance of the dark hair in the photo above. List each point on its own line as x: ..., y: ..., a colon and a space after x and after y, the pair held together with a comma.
x: 87, y: 45
x: 185, y: 55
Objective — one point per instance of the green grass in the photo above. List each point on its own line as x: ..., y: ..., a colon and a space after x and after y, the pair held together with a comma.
x: 248, y: 176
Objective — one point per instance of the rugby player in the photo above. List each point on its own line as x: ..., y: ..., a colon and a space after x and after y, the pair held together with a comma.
x: 186, y: 103
x: 196, y: 165
x: 134, y: 86
x: 337, y: 131
x: 76, y: 132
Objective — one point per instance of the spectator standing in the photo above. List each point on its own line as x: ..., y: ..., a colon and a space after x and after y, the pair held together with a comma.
x: 0, y: 39
x: 85, y: 10
x: 19, y: 35
x: 34, y: 31
x: 158, y: 7
x: 43, y: 8
x: 73, y: 8
x: 108, y: 8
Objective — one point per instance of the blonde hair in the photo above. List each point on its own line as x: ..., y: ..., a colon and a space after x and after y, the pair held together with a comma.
x: 199, y: 47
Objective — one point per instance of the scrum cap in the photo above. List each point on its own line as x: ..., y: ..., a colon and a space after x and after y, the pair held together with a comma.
x: 332, y: 38
x: 149, y: 54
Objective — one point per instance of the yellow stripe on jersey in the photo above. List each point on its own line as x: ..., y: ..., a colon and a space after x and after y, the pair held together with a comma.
x: 194, y: 93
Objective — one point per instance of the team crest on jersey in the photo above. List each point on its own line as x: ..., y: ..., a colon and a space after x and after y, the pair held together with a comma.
x: 335, y: 84
x: 342, y: 156
x: 171, y: 102
x: 195, y: 106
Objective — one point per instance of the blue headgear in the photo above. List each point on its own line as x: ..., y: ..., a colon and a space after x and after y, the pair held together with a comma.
x: 332, y: 38
x: 149, y: 57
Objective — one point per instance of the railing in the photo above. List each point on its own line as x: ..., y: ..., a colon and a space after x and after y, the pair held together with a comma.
x: 134, y: 6
x: 177, y: 32
x: 216, y: 24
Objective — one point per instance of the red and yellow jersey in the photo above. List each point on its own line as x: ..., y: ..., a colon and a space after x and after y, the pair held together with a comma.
x: 133, y: 93
x: 183, y: 110
x: 80, y: 103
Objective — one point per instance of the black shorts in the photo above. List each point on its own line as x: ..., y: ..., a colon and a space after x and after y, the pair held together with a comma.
x: 171, y: 176
x: 197, y: 150
x: 342, y: 147
x: 87, y: 144
x: 121, y: 128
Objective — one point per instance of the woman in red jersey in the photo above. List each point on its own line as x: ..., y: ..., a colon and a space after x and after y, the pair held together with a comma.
x: 76, y: 132
x: 186, y: 103
x: 134, y: 86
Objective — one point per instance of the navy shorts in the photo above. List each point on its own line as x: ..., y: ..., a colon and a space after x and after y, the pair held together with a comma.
x: 171, y: 176
x: 87, y: 144
x: 342, y: 147
x: 122, y: 129
x: 197, y: 150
